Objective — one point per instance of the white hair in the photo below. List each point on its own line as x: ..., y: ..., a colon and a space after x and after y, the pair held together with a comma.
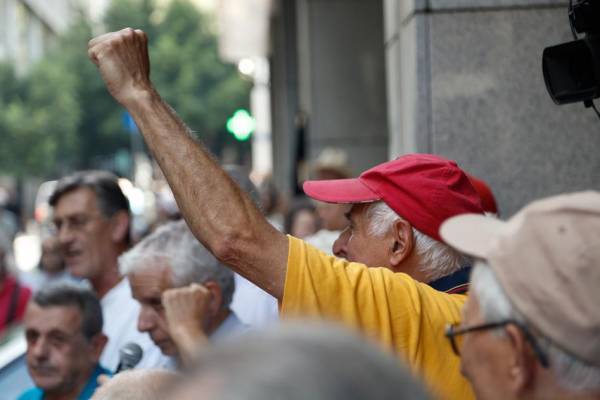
x: 436, y: 258
x: 137, y: 384
x: 189, y: 261
x: 301, y: 361
x: 571, y: 372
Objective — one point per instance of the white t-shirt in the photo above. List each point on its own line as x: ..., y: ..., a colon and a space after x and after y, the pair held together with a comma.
x: 323, y: 240
x: 120, y: 312
x: 253, y: 306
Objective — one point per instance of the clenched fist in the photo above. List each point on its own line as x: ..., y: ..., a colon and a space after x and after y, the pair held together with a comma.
x: 186, y: 308
x: 122, y: 59
x: 185, y: 311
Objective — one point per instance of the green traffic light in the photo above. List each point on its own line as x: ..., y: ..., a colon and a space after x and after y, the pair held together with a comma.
x: 241, y: 125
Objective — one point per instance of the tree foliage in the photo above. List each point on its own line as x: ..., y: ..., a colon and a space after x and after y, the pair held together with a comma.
x: 59, y: 116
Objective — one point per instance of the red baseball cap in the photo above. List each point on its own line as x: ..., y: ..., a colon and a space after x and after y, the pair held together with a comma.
x: 424, y: 189
x: 488, y: 201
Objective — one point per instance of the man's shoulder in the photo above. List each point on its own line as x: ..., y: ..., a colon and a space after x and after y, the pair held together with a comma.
x: 119, y: 296
x: 302, y: 252
x: 304, y: 255
x: 232, y: 326
x: 345, y: 276
x: 92, y: 382
x: 32, y: 394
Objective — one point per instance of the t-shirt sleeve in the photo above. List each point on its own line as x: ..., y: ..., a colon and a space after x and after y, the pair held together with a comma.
x: 406, y: 316
x: 321, y: 285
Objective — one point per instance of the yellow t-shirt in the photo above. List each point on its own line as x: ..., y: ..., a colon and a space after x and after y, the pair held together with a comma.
x: 404, y: 315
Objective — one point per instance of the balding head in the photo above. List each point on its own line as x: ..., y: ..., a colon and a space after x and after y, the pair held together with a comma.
x: 138, y: 384
x: 295, y: 362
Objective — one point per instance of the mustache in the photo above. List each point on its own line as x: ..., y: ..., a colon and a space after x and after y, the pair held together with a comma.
x: 42, y: 367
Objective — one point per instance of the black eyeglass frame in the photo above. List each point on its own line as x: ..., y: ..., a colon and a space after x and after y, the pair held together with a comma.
x: 453, y: 330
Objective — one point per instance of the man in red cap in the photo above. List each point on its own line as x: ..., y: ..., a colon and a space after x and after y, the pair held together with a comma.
x: 403, y: 314
x: 396, y: 210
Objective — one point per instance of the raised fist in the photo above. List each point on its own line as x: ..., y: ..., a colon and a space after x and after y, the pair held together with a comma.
x: 122, y: 59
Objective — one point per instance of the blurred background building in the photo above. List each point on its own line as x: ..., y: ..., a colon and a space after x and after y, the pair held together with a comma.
x: 28, y: 28
x: 379, y: 78
x: 461, y: 78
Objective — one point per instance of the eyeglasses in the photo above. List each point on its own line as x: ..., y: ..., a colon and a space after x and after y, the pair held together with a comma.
x: 454, y: 330
x: 75, y: 222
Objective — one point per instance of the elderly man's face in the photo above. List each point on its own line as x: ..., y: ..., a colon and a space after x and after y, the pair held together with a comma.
x: 147, y: 287
x: 484, y: 356
x: 357, y: 244
x: 85, y: 235
x: 59, y: 357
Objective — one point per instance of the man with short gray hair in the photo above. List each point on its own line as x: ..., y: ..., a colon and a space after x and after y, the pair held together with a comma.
x: 63, y: 329
x: 531, y: 326
x: 184, y: 292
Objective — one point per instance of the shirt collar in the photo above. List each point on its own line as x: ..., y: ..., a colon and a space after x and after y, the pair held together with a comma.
x: 455, y: 283
x: 230, y: 325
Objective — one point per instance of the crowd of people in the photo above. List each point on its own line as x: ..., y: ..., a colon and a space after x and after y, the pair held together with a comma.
x: 423, y: 293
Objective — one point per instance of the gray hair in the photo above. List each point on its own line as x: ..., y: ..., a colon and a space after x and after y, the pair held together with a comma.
x: 189, y: 261
x: 571, y: 373
x: 301, y: 361
x: 71, y: 295
x: 105, y: 186
x: 136, y: 384
x: 437, y: 259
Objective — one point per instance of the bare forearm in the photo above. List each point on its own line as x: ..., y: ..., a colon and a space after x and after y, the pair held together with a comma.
x: 194, y: 176
x: 221, y: 216
x: 189, y: 345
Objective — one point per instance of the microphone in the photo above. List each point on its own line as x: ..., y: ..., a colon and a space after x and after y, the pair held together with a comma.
x: 129, y: 356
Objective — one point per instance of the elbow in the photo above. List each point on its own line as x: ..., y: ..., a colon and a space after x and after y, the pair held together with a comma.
x: 229, y: 249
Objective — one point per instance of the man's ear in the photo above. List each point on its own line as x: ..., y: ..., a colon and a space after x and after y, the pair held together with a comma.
x: 522, y: 360
x: 120, y: 226
x: 216, y: 298
x: 402, y: 242
x: 97, y: 345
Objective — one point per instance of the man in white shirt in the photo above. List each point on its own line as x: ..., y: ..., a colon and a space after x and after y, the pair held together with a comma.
x: 92, y: 220
x: 184, y: 292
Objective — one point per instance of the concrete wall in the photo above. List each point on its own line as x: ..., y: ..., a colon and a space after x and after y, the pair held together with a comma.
x: 342, y: 78
x: 284, y: 93
x: 465, y: 81
x: 328, y: 66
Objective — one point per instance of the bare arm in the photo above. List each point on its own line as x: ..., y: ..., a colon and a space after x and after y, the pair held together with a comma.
x: 219, y: 213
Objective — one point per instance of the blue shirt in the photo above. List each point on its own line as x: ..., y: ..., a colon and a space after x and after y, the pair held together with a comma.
x: 87, y: 392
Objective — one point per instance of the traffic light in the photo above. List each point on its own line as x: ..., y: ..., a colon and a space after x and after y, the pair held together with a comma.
x: 241, y: 125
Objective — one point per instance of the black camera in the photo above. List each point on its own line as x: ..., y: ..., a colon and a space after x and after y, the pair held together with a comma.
x: 572, y: 69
